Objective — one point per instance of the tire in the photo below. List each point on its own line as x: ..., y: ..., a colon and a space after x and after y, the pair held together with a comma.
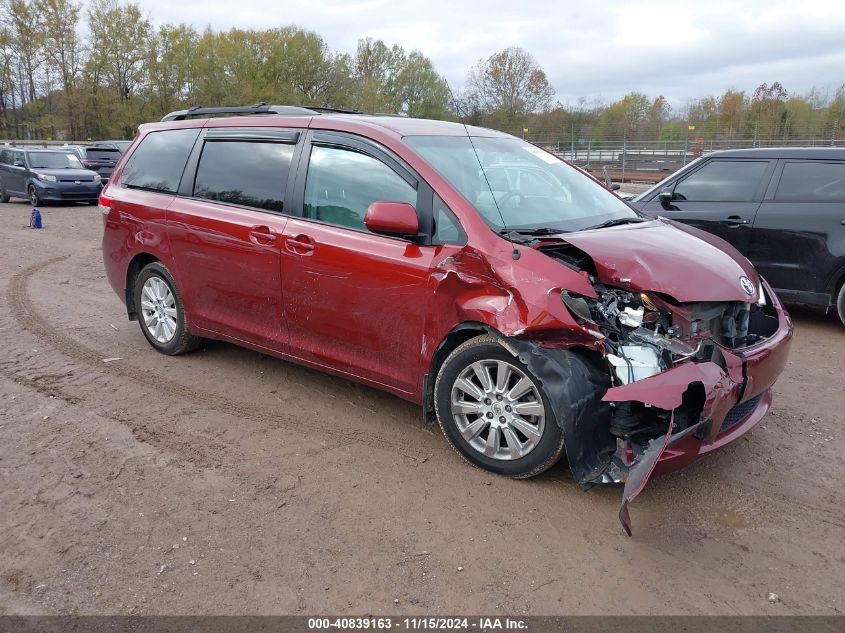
x: 4, y: 197
x: 469, y: 433
x: 840, y: 304
x: 34, y: 198
x: 163, y: 324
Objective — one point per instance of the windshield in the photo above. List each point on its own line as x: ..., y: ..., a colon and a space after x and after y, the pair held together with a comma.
x: 53, y: 160
x: 516, y: 185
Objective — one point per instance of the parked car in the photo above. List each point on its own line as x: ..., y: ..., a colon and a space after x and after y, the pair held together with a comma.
x: 99, y: 159
x: 41, y: 176
x: 529, y: 322
x: 783, y: 208
x: 120, y: 146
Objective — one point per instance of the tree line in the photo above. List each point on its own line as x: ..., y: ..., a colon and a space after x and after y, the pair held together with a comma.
x: 74, y: 73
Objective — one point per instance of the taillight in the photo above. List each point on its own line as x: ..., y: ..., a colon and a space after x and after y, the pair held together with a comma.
x: 104, y: 204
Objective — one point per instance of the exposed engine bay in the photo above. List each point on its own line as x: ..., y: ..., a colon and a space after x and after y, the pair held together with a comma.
x: 646, y: 335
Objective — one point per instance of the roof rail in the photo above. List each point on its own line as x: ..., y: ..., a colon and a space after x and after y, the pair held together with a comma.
x: 198, y: 112
x: 330, y: 110
x: 259, y: 108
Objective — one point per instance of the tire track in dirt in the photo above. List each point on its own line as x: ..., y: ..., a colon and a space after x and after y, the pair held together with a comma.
x: 29, y: 318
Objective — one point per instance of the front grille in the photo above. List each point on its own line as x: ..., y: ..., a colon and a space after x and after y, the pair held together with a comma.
x: 739, y: 412
x: 79, y: 195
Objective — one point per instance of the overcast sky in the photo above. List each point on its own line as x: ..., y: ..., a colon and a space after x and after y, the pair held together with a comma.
x: 599, y: 49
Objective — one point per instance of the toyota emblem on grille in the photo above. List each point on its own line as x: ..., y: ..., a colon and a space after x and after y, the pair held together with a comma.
x: 77, y: 181
x: 746, y: 284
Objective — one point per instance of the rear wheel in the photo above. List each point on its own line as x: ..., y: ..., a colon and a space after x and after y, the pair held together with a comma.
x: 160, y: 311
x: 4, y: 197
x: 493, y: 411
x: 840, y: 303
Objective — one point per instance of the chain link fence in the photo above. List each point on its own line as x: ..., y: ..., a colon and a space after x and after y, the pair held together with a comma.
x: 651, y: 161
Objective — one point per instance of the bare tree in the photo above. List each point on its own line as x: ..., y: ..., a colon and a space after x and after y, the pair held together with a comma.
x: 512, y: 82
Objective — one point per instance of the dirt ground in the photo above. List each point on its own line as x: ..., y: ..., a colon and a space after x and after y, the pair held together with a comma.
x: 228, y: 482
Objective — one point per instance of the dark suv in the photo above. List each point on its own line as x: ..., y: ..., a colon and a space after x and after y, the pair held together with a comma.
x: 519, y: 301
x: 120, y: 146
x: 782, y: 208
x: 101, y: 159
x: 42, y: 175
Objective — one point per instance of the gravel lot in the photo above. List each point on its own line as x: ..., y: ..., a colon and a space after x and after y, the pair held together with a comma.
x: 228, y: 482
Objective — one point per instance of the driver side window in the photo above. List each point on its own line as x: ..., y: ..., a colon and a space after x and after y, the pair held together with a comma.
x: 342, y: 183
x: 723, y: 181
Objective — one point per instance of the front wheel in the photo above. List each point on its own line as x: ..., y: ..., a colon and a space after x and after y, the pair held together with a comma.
x: 34, y: 198
x: 493, y: 410
x: 160, y: 311
x: 840, y: 304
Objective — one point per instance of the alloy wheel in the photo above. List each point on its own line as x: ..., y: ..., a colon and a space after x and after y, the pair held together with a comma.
x: 498, y: 409
x: 158, y: 309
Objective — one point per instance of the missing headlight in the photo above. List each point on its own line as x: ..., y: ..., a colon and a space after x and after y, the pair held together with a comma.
x: 577, y: 306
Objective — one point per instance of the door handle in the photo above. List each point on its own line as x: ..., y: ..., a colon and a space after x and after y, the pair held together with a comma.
x: 262, y: 235
x: 734, y: 221
x: 300, y: 245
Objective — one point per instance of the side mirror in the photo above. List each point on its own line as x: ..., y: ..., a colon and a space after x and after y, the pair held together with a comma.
x: 615, y: 186
x: 392, y: 218
x: 665, y: 197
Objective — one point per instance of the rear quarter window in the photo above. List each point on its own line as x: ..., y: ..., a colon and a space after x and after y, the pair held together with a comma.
x: 159, y: 160
x: 809, y: 181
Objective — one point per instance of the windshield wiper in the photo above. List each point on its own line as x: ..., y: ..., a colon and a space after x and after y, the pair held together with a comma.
x: 615, y: 222
x: 542, y: 230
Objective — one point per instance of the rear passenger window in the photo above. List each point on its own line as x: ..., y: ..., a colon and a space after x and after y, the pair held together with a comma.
x: 812, y: 182
x: 723, y: 181
x: 158, y: 162
x: 343, y: 183
x: 247, y: 173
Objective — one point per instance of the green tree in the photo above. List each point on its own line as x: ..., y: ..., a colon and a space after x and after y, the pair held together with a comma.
x: 26, y: 37
x: 169, y: 69
x: 422, y: 92
x: 119, y: 42
x: 63, y: 50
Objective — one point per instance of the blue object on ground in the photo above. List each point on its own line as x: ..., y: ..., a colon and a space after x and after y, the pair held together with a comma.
x: 35, y: 219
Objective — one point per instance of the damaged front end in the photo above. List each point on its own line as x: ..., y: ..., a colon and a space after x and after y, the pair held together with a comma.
x: 680, y: 379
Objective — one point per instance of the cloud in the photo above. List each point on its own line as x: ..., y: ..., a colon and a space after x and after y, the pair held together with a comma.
x: 681, y: 49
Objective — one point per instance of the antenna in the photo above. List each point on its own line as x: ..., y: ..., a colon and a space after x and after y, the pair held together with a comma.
x: 507, y: 234
x: 455, y: 102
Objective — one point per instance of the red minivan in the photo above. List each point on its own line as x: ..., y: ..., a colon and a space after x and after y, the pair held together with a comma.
x: 520, y: 302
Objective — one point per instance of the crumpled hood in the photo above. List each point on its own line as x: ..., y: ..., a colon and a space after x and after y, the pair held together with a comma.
x: 664, y: 256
